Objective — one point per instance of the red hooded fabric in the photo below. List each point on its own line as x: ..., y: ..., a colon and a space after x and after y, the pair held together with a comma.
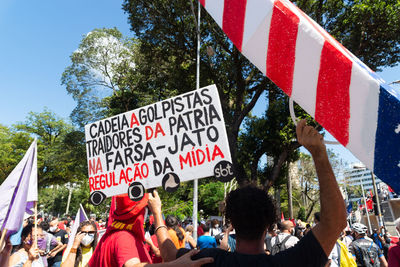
x: 129, y: 215
x: 124, y: 238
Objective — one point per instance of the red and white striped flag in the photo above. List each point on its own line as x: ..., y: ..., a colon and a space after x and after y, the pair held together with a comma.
x: 323, y: 77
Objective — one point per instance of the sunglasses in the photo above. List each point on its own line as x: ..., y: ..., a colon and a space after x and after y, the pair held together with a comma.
x: 88, y: 232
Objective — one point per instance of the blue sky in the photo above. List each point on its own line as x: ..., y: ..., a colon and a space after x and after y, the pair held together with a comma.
x: 37, y: 39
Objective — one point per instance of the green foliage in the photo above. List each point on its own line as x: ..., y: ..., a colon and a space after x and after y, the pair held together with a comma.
x: 54, y: 199
x: 180, y: 203
x: 110, y: 74
x: 211, y: 194
x: 301, y: 215
x: 61, y: 152
x: 101, y: 66
x: 13, y: 146
x: 354, y: 191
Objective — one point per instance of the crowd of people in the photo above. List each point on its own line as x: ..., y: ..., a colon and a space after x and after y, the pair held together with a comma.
x: 251, y: 237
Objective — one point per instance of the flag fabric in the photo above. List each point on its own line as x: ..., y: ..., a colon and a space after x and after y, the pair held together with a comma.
x: 390, y: 189
x: 350, y: 207
x: 321, y: 75
x: 19, y: 192
x: 111, y: 212
x: 282, y: 217
x: 80, y: 217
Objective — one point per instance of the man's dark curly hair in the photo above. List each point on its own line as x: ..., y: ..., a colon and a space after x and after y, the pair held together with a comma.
x: 251, y: 211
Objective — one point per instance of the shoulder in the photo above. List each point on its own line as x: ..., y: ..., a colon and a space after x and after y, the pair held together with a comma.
x: 211, y: 252
x: 17, y: 256
x: 394, y: 251
x: 122, y: 235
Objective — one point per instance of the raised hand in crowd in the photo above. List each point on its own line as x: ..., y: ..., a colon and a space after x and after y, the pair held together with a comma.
x: 333, y: 211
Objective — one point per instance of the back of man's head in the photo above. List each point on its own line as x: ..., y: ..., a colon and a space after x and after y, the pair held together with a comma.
x: 286, y: 226
x: 251, y: 211
x: 45, y: 226
x: 206, y: 227
x: 317, y: 217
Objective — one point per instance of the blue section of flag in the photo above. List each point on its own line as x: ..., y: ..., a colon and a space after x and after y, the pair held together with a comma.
x: 387, y: 141
x: 350, y: 207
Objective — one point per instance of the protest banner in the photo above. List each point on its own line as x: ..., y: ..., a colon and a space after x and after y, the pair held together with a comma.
x: 162, y: 144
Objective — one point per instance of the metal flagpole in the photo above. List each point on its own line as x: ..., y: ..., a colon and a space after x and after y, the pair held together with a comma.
x: 365, y: 206
x: 196, y: 182
x: 378, y: 204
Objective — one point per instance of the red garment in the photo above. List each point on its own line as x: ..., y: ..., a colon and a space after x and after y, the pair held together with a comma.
x: 112, y: 209
x: 153, y: 256
x: 394, y: 256
x: 394, y: 240
x: 61, y: 225
x: 116, y: 248
x: 369, y: 204
x: 124, y: 238
x: 200, y: 231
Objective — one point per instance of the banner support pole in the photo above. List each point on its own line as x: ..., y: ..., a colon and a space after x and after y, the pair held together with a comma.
x: 196, y: 182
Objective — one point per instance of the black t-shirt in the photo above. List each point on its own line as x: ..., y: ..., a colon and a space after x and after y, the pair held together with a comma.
x: 61, y: 236
x: 307, y: 252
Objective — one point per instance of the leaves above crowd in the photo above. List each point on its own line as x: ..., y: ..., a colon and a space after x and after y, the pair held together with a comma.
x: 61, y: 148
x: 180, y: 203
x: 13, y: 146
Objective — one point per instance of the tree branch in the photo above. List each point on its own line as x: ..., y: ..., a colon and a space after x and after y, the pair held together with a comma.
x: 251, y: 104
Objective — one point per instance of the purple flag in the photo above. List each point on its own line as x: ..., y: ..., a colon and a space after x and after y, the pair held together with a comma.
x: 19, y: 192
x: 80, y: 217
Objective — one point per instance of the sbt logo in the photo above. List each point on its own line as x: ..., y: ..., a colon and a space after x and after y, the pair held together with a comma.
x: 224, y: 171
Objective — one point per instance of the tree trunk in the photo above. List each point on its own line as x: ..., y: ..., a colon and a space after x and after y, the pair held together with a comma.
x: 290, y: 200
x: 310, y: 209
x: 278, y: 200
x: 277, y: 169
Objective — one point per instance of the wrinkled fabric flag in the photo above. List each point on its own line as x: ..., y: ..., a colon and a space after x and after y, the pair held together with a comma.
x: 111, y: 212
x: 350, y: 208
x: 19, y: 192
x: 343, y: 95
x: 80, y: 217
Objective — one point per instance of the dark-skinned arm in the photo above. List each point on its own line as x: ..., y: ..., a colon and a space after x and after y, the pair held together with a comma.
x: 333, y: 211
x: 165, y: 244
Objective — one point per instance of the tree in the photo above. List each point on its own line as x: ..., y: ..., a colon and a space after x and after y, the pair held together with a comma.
x: 240, y: 84
x: 61, y: 151
x: 13, y: 146
x: 101, y: 67
x: 164, y: 57
x: 166, y: 30
x: 308, y: 184
x: 53, y: 200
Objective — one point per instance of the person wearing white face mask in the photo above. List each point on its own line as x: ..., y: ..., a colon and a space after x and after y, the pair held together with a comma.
x: 215, y: 230
x: 84, y: 244
x: 55, y: 256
